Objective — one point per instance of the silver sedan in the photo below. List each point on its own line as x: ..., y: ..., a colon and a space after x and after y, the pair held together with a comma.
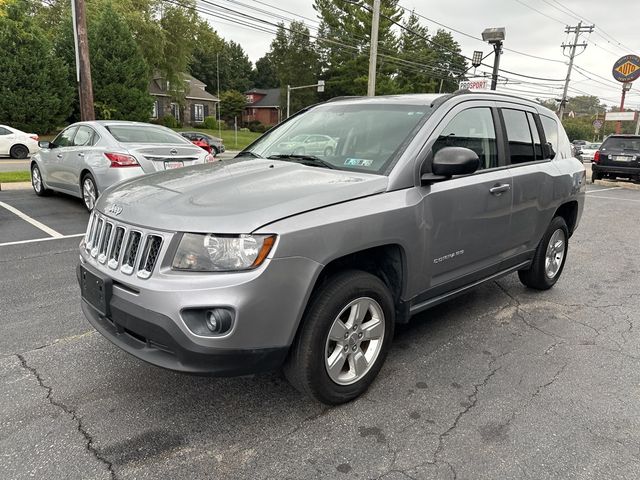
x: 87, y: 157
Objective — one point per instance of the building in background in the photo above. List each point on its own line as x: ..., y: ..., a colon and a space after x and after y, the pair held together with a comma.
x: 198, y: 103
x: 262, y: 106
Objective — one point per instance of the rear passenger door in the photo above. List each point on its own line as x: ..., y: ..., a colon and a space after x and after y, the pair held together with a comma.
x: 467, y: 217
x: 532, y: 176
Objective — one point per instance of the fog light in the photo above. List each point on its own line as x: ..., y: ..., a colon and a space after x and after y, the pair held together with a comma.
x: 208, y: 322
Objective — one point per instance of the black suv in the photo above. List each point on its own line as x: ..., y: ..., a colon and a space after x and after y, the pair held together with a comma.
x: 619, y: 156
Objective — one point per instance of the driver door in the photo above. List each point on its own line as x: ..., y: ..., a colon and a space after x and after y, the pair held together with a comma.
x: 53, y: 159
x: 467, y: 218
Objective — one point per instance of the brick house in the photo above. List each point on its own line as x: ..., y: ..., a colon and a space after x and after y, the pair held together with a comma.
x: 198, y: 103
x: 262, y: 106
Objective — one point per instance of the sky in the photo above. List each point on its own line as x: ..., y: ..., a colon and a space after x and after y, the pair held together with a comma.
x: 533, y: 27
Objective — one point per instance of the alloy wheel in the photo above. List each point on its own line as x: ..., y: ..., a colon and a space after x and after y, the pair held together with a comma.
x: 555, y: 253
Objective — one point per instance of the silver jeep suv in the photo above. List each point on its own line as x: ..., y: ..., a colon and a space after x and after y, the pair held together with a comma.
x: 307, y: 262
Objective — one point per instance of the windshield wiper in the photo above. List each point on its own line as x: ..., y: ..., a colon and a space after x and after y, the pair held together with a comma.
x: 248, y: 153
x: 308, y: 159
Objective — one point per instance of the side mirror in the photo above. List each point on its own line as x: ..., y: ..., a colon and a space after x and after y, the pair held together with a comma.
x: 450, y: 161
x: 549, y: 152
x: 43, y: 144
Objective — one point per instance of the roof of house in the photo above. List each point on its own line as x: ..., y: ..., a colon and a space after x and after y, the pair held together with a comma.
x: 195, y: 92
x: 271, y: 98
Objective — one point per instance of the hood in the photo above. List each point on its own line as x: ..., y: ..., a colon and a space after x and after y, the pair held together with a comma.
x: 236, y: 196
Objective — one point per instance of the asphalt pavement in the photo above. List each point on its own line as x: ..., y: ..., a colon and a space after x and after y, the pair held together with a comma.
x: 502, y: 383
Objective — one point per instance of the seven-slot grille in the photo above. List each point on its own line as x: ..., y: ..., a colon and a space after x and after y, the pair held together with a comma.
x: 121, y: 246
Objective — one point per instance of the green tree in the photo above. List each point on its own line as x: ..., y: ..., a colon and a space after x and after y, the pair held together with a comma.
x: 416, y: 48
x: 448, y: 60
x: 296, y: 63
x: 206, y: 55
x: 585, y: 105
x: 232, y: 103
x: 119, y: 72
x: 235, y: 68
x: 35, y: 94
x: 344, y: 41
x: 264, y: 75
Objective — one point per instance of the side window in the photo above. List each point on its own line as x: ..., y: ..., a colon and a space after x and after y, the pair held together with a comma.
x: 518, y: 136
x: 65, y: 138
x: 550, y: 127
x: 537, y: 143
x: 84, y: 137
x: 5, y: 131
x: 473, y: 129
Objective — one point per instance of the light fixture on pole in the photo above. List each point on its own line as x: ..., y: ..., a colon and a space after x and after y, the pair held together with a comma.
x: 476, y: 59
x: 495, y: 37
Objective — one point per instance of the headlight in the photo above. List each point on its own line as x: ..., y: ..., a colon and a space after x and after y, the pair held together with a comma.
x: 221, y: 253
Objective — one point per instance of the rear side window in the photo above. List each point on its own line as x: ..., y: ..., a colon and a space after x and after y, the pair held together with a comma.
x: 550, y: 127
x: 84, y: 138
x: 519, y: 136
x: 5, y: 131
x: 473, y: 129
x: 537, y: 143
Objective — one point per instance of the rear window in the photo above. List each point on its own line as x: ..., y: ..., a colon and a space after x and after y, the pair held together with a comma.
x: 144, y: 134
x: 622, y: 143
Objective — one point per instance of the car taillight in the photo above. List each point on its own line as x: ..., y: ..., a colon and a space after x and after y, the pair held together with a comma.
x: 121, y: 160
x: 209, y: 158
x: 596, y: 157
x: 34, y: 137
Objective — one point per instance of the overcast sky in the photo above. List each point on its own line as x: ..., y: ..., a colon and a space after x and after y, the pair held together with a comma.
x: 538, y: 33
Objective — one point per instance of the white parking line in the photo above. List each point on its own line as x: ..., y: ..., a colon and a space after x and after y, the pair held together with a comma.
x: 35, y: 223
x: 34, y: 240
x: 615, y: 198
x: 604, y: 189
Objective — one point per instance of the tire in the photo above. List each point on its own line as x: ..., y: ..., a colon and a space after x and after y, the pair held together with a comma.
x: 539, y: 275
x: 328, y: 152
x: 89, y: 191
x: 595, y: 176
x: 215, y: 151
x: 37, y: 183
x: 306, y: 367
x: 19, y: 151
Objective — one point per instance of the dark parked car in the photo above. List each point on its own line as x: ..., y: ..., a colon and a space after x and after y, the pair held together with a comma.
x: 619, y: 156
x: 201, y: 139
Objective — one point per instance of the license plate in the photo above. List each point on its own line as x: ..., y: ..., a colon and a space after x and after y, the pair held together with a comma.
x: 622, y: 158
x: 95, y: 290
x: 171, y: 165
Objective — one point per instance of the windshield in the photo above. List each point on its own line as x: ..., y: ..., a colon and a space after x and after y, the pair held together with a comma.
x: 622, y: 143
x: 144, y: 134
x: 358, y: 136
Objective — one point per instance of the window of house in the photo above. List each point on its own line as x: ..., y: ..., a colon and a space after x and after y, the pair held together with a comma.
x: 154, y: 111
x: 472, y: 129
x: 519, y: 136
x: 198, y: 113
x: 249, y: 98
x: 175, y: 111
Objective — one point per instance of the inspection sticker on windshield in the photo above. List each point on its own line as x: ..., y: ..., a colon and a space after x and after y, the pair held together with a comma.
x: 358, y: 162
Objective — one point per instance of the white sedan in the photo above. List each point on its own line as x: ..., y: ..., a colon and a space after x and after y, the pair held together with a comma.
x: 16, y: 143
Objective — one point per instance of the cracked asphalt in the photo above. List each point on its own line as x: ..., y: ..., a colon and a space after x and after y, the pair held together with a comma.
x: 502, y: 383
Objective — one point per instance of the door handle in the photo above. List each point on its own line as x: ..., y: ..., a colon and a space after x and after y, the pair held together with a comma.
x: 499, y: 189
x: 59, y: 155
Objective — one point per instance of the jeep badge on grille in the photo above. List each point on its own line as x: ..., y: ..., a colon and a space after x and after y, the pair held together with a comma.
x: 115, y: 209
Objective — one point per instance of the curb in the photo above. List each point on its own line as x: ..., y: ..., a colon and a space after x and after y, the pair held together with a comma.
x: 15, y: 186
x: 613, y: 183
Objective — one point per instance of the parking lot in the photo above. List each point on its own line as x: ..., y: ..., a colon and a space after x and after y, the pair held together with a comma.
x: 503, y: 383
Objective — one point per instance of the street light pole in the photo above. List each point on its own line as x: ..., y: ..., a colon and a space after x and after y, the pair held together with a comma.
x: 497, y: 49
x: 373, y: 50
x: 319, y: 86
x: 495, y: 36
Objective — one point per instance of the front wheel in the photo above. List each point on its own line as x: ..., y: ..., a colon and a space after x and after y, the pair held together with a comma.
x: 19, y: 151
x: 89, y: 191
x: 549, y: 259
x: 37, y: 183
x: 344, y: 338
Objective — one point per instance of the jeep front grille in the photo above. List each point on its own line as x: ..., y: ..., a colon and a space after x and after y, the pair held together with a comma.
x: 122, y: 247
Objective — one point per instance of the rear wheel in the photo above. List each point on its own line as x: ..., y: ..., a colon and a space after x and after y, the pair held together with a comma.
x: 595, y: 176
x: 328, y: 152
x: 89, y: 191
x: 344, y: 338
x: 19, y: 151
x: 37, y: 183
x: 549, y: 259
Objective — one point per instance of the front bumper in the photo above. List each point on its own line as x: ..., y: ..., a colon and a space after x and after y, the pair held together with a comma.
x: 144, y: 315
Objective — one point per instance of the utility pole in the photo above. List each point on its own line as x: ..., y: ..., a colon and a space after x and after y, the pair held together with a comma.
x: 578, y: 29
x: 373, y: 51
x: 218, y: 88
x: 83, y: 65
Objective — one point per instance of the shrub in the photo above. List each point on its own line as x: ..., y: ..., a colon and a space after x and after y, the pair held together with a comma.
x: 168, y: 121
x: 210, y: 123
